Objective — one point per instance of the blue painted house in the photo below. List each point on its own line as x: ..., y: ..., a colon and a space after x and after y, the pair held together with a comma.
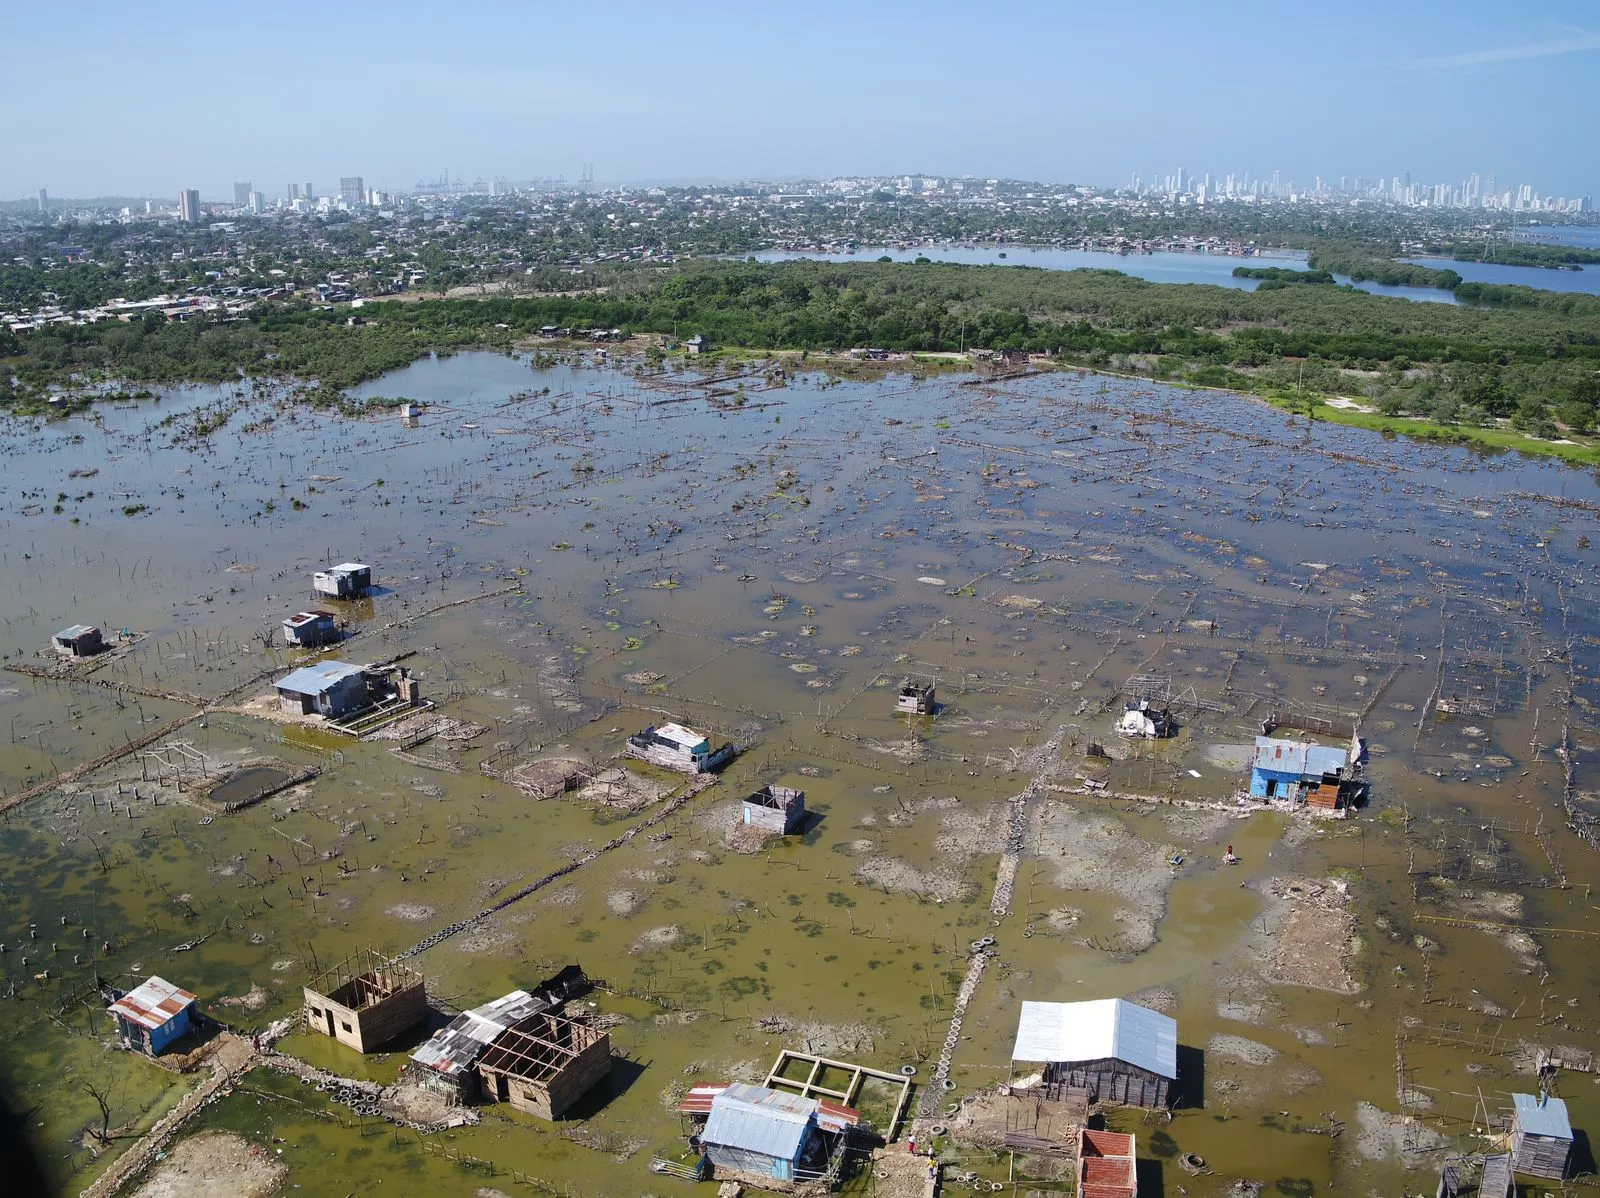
x: 756, y: 1133
x: 152, y: 1015
x: 1299, y: 771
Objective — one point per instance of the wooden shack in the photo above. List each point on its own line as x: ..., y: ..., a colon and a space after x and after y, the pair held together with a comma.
x: 81, y: 640
x: 1110, y: 1049
x: 674, y: 747
x: 1496, y: 1180
x: 545, y: 1064
x: 348, y: 580
x: 775, y: 809
x: 1541, y: 1135
x: 365, y: 1001
x: 916, y: 698
x: 310, y: 628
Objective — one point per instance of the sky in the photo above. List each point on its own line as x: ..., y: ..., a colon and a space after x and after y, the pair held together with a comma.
x: 144, y: 99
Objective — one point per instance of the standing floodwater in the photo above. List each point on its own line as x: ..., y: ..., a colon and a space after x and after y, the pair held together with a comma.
x: 567, y: 556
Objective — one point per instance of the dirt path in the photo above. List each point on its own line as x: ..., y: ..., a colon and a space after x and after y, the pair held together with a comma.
x: 232, y: 1057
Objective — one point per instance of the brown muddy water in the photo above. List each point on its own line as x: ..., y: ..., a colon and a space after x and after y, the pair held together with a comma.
x: 767, y: 564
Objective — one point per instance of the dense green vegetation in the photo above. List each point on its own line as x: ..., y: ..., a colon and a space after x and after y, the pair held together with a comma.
x: 1518, y: 253
x: 1363, y: 265
x: 1535, y: 362
x: 1278, y: 276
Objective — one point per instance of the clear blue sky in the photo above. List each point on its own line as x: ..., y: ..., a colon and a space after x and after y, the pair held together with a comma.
x: 125, y: 98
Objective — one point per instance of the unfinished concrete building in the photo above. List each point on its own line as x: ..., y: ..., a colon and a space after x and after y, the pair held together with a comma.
x: 544, y: 1065
x: 776, y: 809
x: 365, y: 1001
x: 914, y: 698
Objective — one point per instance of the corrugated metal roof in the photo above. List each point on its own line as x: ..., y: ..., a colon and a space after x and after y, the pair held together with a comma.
x: 756, y: 1119
x: 455, y: 1048
x: 1095, y: 1030
x: 698, y: 1100
x: 1298, y: 757
x: 348, y: 567
x: 1541, y: 1115
x: 316, y: 678
x: 73, y: 633
x: 307, y: 617
x: 152, y: 1004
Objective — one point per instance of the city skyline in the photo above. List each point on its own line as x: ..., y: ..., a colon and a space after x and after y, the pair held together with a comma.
x: 1044, y: 92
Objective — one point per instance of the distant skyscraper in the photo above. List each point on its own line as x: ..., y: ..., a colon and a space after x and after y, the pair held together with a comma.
x: 305, y: 189
x: 294, y: 192
x: 241, y: 195
x: 189, y: 207
x: 352, y: 191
x: 44, y: 200
x: 258, y: 202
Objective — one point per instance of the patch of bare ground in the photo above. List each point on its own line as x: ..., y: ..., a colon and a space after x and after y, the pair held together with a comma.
x: 622, y: 789
x: 255, y: 1000
x: 1095, y: 852
x: 215, y: 1162
x: 896, y: 1173
x: 901, y: 877
x: 1380, y: 1134
x: 1310, y: 933
x: 982, y: 1120
x: 1465, y: 902
x: 420, y: 1107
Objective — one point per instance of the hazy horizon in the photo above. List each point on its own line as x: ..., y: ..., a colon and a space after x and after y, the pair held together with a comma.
x: 142, y: 102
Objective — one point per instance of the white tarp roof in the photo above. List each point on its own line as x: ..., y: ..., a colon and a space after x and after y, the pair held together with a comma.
x: 1096, y: 1030
x: 685, y: 738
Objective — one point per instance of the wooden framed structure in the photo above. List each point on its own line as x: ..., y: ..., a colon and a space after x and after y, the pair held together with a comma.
x: 365, y: 1001
x: 545, y: 1064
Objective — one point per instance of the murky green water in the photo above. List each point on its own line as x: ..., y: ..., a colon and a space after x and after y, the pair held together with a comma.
x: 771, y: 572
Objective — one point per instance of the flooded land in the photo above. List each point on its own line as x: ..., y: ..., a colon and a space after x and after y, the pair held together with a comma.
x: 566, y: 551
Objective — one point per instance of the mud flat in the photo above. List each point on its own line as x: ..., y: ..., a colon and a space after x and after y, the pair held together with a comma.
x: 213, y: 1163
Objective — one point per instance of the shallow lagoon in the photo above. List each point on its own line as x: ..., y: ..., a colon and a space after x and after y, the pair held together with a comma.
x: 767, y: 568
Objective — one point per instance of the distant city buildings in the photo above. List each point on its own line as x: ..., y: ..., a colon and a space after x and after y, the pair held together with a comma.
x: 241, y: 195
x: 352, y: 190
x: 44, y: 200
x: 1473, y: 192
x: 189, y: 207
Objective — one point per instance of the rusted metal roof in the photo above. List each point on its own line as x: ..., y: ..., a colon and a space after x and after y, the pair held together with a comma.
x: 152, y: 1004
x: 454, y: 1049
x: 698, y: 1100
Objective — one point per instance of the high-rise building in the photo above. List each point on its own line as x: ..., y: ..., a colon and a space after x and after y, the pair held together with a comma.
x: 305, y: 190
x: 189, y: 206
x: 44, y: 200
x: 241, y: 195
x: 258, y: 202
x: 352, y: 191
x: 294, y: 192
